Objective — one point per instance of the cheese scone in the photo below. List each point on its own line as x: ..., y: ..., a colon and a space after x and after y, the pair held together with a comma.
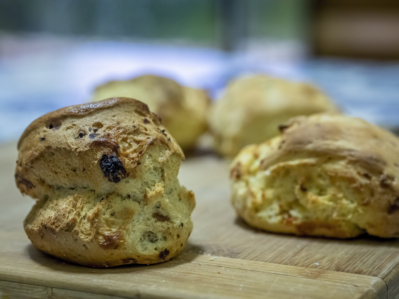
x: 104, y: 176
x: 252, y: 108
x: 325, y: 175
x: 183, y: 110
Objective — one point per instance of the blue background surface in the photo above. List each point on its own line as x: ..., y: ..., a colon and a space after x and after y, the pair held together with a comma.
x: 35, y: 82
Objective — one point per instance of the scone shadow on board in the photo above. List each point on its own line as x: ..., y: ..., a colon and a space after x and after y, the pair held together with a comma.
x: 199, y: 152
x: 362, y: 240
x: 57, y: 264
x: 203, y: 148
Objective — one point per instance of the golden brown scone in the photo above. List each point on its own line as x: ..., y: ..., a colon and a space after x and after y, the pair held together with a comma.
x: 183, y: 110
x: 253, y: 107
x: 105, y: 178
x: 325, y: 175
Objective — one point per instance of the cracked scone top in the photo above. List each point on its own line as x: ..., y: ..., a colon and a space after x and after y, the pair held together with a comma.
x: 254, y: 106
x: 325, y: 175
x: 104, y: 176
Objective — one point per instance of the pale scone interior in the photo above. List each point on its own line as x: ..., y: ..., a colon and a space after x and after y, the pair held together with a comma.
x: 335, y: 192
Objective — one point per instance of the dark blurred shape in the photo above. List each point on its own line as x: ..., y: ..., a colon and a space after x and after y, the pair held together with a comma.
x: 233, y: 23
x: 356, y: 29
x: 194, y: 21
x: 226, y: 24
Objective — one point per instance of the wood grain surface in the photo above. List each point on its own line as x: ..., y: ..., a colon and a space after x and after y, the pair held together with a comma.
x: 225, y: 258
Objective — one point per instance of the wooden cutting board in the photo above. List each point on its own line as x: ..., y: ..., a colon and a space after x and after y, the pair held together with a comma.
x: 225, y: 258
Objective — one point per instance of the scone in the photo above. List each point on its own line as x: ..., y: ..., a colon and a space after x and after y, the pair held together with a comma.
x: 104, y: 176
x: 325, y: 175
x: 183, y: 110
x: 253, y: 107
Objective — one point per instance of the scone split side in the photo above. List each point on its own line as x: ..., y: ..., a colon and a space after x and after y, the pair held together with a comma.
x: 109, y: 197
x: 325, y: 175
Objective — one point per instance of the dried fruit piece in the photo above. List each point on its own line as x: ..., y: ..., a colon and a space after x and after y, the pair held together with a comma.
x: 112, y: 168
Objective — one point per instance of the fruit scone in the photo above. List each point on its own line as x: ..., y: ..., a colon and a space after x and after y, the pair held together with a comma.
x: 104, y: 176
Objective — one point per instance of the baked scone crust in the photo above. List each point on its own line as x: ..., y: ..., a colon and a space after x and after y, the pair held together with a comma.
x: 183, y: 110
x: 104, y: 175
x: 325, y: 175
x: 253, y: 107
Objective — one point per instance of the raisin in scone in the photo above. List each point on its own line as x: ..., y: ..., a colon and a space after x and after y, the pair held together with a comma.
x: 325, y: 175
x: 252, y: 108
x: 183, y: 110
x: 104, y: 176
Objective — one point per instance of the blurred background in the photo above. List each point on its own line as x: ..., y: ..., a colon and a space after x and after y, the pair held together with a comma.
x: 53, y: 53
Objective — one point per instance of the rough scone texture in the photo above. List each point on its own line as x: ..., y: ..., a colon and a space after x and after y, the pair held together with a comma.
x: 183, y: 110
x: 105, y: 178
x: 253, y: 107
x: 325, y: 175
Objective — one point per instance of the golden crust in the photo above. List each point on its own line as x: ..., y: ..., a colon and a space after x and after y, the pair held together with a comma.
x: 253, y: 107
x: 325, y: 175
x: 183, y: 110
x: 93, y: 127
x: 105, y: 177
x: 56, y: 117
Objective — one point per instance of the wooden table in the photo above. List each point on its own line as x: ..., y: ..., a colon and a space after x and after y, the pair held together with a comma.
x: 225, y: 258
